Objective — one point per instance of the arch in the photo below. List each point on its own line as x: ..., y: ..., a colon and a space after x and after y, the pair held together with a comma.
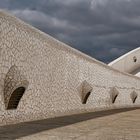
x: 133, y: 96
x: 86, y: 97
x: 114, y: 94
x: 15, y: 97
x: 135, y: 59
x: 86, y: 91
x: 114, y: 99
x: 14, y: 87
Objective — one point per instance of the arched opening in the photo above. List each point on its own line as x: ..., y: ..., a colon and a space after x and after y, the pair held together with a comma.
x: 134, y: 100
x: 114, y: 99
x: 133, y: 96
x: 113, y: 94
x: 86, y: 91
x: 15, y: 97
x: 135, y: 59
x: 86, y: 97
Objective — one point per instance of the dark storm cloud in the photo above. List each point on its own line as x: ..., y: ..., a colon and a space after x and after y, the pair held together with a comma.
x: 104, y: 29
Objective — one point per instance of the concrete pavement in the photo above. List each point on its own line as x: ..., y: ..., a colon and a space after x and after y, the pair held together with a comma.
x: 121, y: 124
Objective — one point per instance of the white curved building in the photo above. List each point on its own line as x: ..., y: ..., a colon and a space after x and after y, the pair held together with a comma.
x: 129, y: 63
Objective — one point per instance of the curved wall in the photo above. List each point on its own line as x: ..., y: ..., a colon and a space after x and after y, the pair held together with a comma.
x: 129, y: 62
x: 61, y: 80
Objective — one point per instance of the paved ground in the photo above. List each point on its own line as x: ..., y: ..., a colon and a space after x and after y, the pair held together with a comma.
x: 123, y: 124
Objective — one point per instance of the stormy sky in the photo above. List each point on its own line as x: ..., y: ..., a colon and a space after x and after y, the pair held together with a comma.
x: 104, y: 29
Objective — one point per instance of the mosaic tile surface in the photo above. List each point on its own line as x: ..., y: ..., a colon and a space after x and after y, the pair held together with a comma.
x: 54, y: 73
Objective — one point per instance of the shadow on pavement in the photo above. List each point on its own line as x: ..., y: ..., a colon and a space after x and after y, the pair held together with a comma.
x: 12, y: 132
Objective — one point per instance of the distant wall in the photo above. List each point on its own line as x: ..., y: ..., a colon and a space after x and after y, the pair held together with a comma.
x: 57, y: 77
x: 129, y: 62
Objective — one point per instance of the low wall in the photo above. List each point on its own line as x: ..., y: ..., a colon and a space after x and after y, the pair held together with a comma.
x: 58, y: 78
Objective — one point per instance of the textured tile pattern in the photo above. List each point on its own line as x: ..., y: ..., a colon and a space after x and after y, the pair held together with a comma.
x: 55, y: 73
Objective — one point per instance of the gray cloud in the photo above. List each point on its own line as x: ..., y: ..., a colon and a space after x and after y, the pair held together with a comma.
x: 104, y: 29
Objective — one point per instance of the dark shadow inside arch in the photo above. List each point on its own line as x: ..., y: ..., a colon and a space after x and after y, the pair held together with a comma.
x: 15, y: 97
x: 86, y: 97
x: 114, y: 99
x: 134, y: 100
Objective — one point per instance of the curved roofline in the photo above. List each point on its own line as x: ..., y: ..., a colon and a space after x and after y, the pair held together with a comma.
x: 121, y: 57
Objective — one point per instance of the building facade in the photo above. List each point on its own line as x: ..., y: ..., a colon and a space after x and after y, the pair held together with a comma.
x: 41, y: 77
